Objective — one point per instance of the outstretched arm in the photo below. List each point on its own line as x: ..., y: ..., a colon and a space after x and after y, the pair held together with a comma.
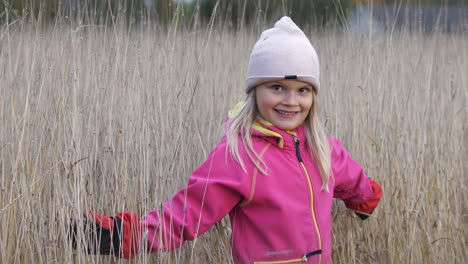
x: 213, y: 189
x: 352, y: 185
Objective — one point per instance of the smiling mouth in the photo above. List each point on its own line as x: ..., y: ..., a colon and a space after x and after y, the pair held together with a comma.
x: 286, y: 114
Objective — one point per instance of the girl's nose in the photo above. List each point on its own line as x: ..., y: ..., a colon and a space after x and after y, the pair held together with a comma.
x: 290, y: 99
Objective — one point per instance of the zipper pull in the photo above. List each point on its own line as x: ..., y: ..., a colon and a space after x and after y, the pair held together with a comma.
x: 310, y: 254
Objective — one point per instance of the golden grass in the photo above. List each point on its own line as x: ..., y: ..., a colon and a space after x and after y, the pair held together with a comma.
x: 103, y: 119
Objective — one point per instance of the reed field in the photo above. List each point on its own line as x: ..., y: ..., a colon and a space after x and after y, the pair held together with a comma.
x: 113, y: 118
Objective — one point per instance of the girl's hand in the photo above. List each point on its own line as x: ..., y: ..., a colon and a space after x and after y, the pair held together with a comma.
x: 363, y: 210
x: 119, y: 235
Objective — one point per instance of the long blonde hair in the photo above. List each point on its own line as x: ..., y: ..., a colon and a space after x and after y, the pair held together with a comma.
x: 241, y: 121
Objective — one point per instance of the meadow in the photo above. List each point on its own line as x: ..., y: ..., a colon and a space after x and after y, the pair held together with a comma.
x: 113, y: 118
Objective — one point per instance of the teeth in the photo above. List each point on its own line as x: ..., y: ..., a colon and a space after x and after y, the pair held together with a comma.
x: 285, y: 113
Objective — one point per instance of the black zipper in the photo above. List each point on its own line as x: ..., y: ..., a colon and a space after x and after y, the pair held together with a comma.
x: 298, y: 152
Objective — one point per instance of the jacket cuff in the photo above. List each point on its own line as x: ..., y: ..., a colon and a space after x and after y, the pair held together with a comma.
x: 368, y: 206
x: 131, y: 236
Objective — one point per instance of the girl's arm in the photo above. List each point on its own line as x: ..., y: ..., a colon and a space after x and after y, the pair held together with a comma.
x: 351, y: 183
x: 213, y: 189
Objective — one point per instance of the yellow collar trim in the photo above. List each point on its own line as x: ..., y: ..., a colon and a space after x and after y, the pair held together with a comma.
x: 270, y: 124
x: 268, y: 132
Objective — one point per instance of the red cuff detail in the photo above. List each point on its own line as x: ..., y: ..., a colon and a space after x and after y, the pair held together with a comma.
x: 131, y: 235
x: 102, y: 220
x: 369, y: 205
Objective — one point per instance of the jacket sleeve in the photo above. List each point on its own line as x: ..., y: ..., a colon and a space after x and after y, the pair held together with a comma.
x: 212, y: 191
x: 351, y: 183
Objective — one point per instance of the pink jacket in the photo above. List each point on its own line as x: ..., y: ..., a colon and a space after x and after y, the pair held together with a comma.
x: 282, y: 217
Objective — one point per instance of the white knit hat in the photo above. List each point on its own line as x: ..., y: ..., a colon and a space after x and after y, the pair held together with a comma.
x: 283, y: 52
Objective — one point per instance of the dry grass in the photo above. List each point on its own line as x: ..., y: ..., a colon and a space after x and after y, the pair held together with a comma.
x: 103, y: 119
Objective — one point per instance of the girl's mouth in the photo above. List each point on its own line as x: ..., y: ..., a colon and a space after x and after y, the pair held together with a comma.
x: 286, y: 114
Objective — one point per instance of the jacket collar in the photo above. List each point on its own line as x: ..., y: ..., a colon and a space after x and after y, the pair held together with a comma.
x: 284, y: 139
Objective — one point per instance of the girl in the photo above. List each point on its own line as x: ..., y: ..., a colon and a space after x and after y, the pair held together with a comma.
x: 275, y: 172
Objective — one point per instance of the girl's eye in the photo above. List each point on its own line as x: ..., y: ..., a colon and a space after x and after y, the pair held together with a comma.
x: 304, y: 90
x: 276, y: 87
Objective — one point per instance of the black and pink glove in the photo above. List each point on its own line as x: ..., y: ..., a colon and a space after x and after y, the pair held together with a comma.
x: 368, y: 206
x: 119, y: 235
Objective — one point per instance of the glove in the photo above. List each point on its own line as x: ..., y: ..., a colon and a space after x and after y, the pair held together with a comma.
x: 119, y: 235
x: 368, y: 206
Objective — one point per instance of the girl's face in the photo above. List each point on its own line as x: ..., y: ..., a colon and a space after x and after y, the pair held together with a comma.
x: 284, y: 103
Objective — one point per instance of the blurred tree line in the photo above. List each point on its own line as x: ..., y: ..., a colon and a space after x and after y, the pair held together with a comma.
x: 234, y: 13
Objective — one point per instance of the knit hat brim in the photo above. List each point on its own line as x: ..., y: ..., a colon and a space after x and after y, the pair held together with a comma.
x: 254, y: 81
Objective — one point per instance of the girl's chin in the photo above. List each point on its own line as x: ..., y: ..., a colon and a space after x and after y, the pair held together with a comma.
x: 286, y: 126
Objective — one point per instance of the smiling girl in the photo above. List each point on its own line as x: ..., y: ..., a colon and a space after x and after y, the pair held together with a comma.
x: 275, y: 172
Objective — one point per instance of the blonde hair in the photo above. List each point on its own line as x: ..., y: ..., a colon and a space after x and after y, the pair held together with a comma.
x: 241, y: 121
